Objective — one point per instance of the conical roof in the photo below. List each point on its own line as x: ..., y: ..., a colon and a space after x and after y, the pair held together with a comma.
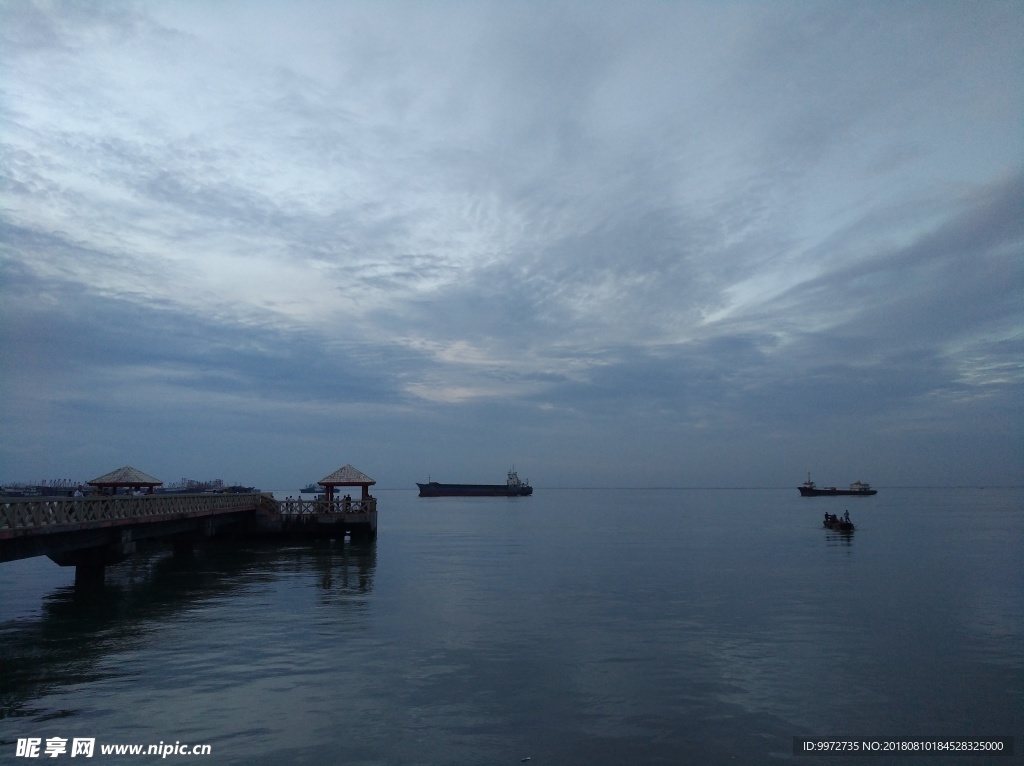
x: 126, y: 477
x: 347, y: 476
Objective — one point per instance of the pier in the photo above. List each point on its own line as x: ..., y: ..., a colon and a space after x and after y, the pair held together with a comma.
x: 93, y: 532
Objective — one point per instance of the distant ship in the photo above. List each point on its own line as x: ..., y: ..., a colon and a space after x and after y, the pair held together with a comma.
x: 55, y: 488
x: 311, y: 489
x: 810, y: 489
x: 513, y: 487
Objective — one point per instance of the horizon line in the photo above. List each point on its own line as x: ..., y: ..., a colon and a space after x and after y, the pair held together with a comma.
x: 780, y: 487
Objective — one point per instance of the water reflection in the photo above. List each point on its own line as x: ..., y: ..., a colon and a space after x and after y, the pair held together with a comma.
x: 834, y: 537
x: 81, y: 629
x: 348, y: 571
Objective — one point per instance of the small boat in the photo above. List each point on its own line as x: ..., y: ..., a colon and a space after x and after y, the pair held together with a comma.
x: 810, y: 489
x: 838, y: 524
x: 513, y: 487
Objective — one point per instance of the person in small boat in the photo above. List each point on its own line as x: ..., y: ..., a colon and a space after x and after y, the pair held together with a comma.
x: 846, y: 516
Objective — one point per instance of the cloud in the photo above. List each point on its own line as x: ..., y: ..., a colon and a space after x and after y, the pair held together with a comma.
x: 624, y: 229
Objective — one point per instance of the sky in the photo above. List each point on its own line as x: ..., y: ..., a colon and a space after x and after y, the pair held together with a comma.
x: 612, y: 244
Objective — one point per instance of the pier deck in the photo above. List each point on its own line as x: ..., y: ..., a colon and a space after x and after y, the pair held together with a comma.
x: 93, y: 532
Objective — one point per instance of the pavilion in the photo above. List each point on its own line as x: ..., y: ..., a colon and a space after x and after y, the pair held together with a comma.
x: 127, y: 477
x: 346, y: 476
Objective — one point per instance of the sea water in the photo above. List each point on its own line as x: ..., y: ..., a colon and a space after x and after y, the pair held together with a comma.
x: 576, y: 626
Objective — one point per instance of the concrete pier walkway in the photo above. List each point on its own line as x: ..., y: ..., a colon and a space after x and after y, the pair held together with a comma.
x: 93, y: 532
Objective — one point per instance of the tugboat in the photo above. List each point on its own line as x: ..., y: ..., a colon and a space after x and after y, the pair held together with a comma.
x: 513, y: 487
x: 810, y: 489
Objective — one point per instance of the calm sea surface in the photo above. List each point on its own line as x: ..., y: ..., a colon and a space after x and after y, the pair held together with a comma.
x: 571, y: 627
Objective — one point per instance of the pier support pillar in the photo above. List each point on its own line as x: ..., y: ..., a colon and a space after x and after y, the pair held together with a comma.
x: 90, y: 563
x: 185, y: 544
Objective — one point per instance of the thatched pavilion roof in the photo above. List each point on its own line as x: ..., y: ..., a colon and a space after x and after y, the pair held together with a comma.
x: 125, y: 477
x: 347, y: 476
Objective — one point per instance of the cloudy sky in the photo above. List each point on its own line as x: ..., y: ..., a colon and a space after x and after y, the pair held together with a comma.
x: 612, y: 243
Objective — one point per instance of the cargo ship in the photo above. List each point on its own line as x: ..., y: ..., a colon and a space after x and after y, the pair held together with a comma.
x: 810, y: 489
x: 513, y: 487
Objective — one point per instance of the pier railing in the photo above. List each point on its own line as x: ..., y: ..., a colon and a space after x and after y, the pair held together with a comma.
x: 299, y: 507
x: 39, y: 512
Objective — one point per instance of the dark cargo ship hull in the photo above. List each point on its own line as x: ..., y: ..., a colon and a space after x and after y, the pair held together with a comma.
x: 827, y: 491
x: 436, y: 489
